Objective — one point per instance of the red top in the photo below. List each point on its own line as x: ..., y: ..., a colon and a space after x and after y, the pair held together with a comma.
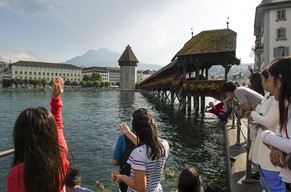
x: 218, y: 108
x: 15, y: 178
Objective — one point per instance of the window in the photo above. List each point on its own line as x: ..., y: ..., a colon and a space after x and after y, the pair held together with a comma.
x: 281, y: 33
x: 281, y: 51
x: 281, y: 15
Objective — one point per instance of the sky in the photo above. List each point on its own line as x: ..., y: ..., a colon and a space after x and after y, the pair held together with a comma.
x: 58, y: 30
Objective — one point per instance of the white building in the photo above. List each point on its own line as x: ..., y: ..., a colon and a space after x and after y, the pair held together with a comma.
x: 144, y: 74
x: 108, y: 74
x: 272, y: 29
x: 42, y: 70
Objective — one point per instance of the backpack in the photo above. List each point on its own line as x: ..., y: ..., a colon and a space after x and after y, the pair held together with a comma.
x: 124, y: 168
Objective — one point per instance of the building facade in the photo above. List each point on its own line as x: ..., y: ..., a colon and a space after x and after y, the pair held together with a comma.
x: 43, y: 70
x: 108, y: 74
x: 272, y: 29
x: 144, y: 74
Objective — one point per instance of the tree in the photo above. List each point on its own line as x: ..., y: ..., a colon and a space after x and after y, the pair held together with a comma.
x: 96, y: 77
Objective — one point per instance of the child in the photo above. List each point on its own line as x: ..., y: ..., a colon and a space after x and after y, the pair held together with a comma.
x: 189, y: 181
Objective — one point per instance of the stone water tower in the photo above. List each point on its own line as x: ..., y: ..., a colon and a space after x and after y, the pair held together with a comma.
x: 128, y: 69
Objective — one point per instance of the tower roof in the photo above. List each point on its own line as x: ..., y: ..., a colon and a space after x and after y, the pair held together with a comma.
x: 128, y: 57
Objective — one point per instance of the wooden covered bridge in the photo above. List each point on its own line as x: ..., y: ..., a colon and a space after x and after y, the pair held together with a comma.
x: 186, y: 77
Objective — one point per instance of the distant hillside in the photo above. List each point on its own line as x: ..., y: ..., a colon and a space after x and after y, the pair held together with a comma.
x: 105, y: 58
x: 218, y: 71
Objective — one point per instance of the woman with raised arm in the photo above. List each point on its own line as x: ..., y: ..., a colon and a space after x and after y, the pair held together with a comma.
x: 148, y: 159
x: 40, y: 157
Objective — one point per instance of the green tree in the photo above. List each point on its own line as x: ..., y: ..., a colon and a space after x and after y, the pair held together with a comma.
x: 95, y: 77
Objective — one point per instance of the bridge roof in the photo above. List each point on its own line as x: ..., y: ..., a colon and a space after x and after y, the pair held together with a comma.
x: 213, y: 41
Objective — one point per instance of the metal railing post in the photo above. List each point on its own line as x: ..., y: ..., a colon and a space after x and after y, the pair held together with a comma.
x: 248, y: 178
x: 6, y: 152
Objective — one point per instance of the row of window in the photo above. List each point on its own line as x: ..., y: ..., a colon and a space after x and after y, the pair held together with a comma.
x: 281, y: 35
x: 281, y: 32
x: 49, y: 79
x: 44, y: 69
x: 48, y: 74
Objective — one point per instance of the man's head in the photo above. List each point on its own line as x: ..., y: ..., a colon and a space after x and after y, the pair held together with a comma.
x: 229, y: 87
x: 73, y: 178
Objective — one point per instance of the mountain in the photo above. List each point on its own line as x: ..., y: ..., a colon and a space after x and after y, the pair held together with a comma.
x: 105, y: 58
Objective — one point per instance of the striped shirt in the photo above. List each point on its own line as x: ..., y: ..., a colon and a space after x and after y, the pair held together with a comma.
x: 154, y: 168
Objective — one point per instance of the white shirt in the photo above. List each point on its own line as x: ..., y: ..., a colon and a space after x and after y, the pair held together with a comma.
x: 154, y: 168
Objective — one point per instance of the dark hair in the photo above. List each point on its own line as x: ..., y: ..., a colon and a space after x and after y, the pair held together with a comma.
x: 213, y: 188
x: 73, y: 177
x: 36, y: 145
x: 265, y: 73
x: 229, y: 86
x: 280, y: 69
x: 189, y: 181
x: 256, y: 83
x: 146, y: 131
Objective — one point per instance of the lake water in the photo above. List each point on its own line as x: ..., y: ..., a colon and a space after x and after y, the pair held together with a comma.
x: 91, y: 121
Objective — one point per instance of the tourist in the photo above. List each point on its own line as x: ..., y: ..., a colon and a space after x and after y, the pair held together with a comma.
x: 247, y: 98
x: 265, y: 116
x: 280, y: 141
x: 123, y: 149
x: 40, y: 158
x: 190, y: 181
x: 73, y: 181
x: 256, y: 83
x: 218, y: 109
x: 148, y: 159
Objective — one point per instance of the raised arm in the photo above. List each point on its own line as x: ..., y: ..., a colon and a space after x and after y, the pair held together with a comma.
x: 56, y: 102
x: 126, y: 131
x: 56, y: 110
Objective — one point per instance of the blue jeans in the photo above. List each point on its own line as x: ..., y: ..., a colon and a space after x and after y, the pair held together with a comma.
x: 273, y: 180
x: 225, y: 116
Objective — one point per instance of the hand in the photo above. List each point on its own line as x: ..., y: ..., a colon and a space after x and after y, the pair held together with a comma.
x: 241, y: 112
x: 58, y: 88
x: 277, y: 157
x: 124, y: 128
x: 118, y: 178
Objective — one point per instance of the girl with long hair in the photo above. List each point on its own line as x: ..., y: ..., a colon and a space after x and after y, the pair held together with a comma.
x: 265, y: 117
x: 40, y: 157
x: 148, y: 159
x: 189, y: 181
x: 280, y: 142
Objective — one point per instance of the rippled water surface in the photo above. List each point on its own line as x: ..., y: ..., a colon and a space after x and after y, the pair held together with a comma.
x: 91, y: 129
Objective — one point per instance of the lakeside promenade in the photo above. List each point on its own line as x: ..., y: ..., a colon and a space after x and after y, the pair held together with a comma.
x: 237, y: 169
